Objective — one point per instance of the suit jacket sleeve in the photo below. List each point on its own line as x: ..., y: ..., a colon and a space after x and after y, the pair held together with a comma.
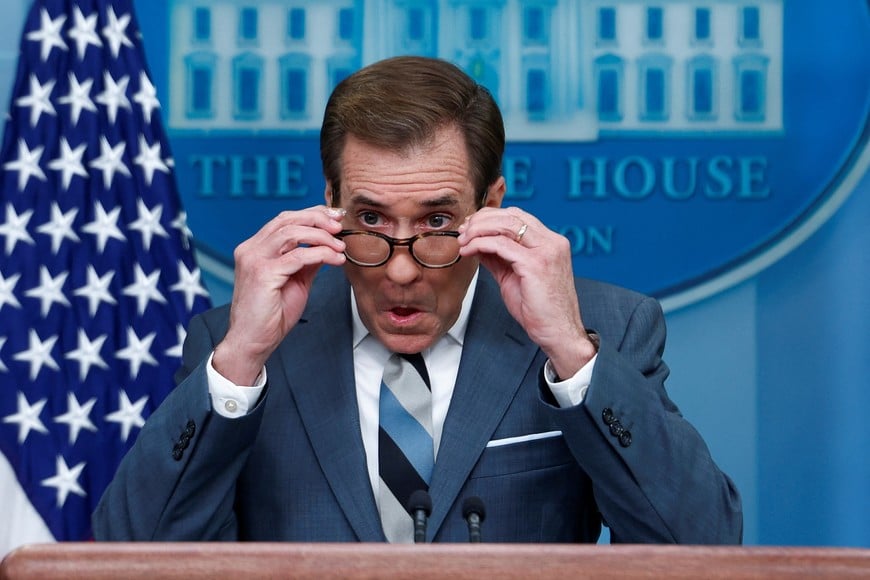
x: 652, y: 474
x: 178, y: 481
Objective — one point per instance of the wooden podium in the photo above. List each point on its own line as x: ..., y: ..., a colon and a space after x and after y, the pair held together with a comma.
x: 191, y: 561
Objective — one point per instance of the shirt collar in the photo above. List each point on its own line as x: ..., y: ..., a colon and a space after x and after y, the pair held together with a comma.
x: 456, y: 332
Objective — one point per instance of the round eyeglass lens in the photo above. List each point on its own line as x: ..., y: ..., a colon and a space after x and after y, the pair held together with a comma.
x: 436, y: 250
x: 365, y: 249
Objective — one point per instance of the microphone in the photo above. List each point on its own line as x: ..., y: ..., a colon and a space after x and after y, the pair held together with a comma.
x: 474, y: 513
x: 420, y: 506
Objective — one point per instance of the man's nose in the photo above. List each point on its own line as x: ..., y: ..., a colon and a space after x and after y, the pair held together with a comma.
x: 402, y: 268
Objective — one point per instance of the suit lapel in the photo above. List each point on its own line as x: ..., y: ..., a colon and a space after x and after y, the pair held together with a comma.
x: 318, y: 365
x: 496, y: 356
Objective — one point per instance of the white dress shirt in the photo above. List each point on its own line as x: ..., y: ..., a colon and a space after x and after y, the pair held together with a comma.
x: 369, y: 359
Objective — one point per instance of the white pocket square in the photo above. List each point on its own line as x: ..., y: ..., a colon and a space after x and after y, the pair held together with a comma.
x: 523, y: 438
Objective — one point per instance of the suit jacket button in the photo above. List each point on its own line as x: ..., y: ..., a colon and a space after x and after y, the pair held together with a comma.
x: 177, y: 453
x: 616, y: 429
x: 607, y: 416
x: 190, y: 429
x: 625, y: 438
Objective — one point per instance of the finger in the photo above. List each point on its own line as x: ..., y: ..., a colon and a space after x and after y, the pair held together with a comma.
x: 314, y: 226
x: 494, y: 245
x: 320, y: 216
x: 512, y: 224
x: 291, y: 237
x: 293, y: 261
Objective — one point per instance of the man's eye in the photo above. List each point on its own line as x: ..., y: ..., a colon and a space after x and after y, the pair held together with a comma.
x: 437, y: 221
x: 369, y: 218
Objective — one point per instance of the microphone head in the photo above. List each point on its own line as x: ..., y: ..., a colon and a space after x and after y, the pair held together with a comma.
x: 420, y: 500
x: 473, y: 505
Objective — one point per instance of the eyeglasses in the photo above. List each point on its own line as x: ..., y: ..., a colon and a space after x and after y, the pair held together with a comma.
x: 373, y: 249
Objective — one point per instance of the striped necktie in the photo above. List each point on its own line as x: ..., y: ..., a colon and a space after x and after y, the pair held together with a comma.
x: 405, y: 448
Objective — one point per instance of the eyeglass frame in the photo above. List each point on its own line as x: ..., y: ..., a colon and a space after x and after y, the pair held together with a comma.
x: 400, y: 242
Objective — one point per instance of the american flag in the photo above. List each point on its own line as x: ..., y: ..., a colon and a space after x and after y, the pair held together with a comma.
x: 97, y: 274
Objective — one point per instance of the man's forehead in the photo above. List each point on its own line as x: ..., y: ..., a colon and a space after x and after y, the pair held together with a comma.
x: 441, y: 164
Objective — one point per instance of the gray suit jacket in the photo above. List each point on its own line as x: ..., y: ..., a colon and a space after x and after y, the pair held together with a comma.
x: 294, y: 468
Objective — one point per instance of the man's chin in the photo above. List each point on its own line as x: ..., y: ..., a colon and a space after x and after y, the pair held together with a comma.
x: 406, y: 341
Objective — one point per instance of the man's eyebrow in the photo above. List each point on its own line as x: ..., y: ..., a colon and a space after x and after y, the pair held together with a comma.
x: 445, y: 200
x: 363, y: 199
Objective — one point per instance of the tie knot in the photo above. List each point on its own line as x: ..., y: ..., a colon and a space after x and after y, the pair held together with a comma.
x: 415, y: 360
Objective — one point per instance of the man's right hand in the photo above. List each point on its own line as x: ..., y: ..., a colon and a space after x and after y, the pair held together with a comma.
x: 274, y: 270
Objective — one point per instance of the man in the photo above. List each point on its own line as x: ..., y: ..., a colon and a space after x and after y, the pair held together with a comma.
x: 545, y: 394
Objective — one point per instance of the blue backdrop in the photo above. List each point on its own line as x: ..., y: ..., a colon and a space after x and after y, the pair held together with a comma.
x: 772, y: 368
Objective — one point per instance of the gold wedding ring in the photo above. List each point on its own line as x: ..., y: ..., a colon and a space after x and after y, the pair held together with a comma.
x: 521, y: 232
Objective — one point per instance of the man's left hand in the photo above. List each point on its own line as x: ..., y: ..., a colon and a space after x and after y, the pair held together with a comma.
x: 532, y: 265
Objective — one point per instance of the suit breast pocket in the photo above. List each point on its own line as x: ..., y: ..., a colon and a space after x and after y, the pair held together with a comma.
x: 534, y: 491
x: 523, y: 456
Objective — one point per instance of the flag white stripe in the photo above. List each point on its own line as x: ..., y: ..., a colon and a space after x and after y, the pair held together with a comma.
x: 21, y: 524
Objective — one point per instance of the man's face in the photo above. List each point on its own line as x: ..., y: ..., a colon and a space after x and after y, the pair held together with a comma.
x: 403, y: 304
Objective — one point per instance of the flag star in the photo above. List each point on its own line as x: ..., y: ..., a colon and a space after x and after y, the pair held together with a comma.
x: 38, y: 354
x: 7, y: 296
x: 65, y: 481
x: 78, y: 97
x: 27, y: 417
x: 180, y: 223
x: 14, y: 228
x: 38, y: 100
x: 128, y: 415
x: 110, y: 161
x: 59, y: 227
x: 114, y: 95
x: 27, y: 164
x: 96, y: 290
x: 137, y: 352
x: 149, y: 159
x: 84, y: 32
x: 115, y: 32
x: 104, y: 226
x: 176, y: 350
x: 148, y: 223
x: 48, y: 34
x: 77, y: 417
x: 70, y: 162
x: 147, y: 96
x: 4, y: 368
x: 88, y: 354
x: 145, y: 289
x: 49, y: 290
x: 189, y: 285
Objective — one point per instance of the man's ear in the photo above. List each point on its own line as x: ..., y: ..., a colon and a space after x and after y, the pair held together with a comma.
x: 495, y: 193
x: 327, y: 194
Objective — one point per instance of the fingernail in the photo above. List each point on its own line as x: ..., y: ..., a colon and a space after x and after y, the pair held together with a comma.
x: 336, y: 212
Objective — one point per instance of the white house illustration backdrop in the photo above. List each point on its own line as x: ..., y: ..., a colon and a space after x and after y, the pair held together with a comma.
x: 561, y: 70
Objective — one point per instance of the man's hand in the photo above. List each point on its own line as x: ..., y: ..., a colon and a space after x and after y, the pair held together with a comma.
x: 532, y: 265
x: 274, y: 270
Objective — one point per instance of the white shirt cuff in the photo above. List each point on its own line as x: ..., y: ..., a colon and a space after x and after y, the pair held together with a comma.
x: 571, y: 391
x: 229, y: 399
